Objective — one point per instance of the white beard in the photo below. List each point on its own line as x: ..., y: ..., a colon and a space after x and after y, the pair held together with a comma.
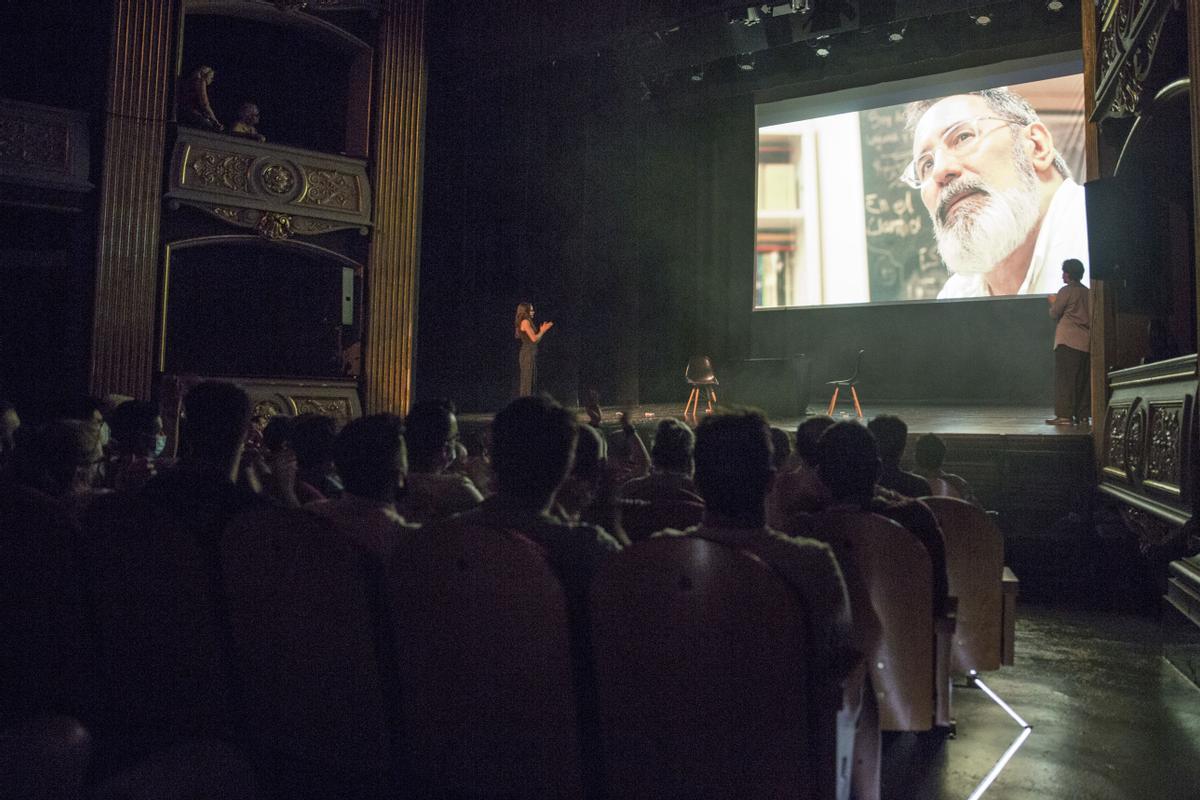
x: 974, y: 241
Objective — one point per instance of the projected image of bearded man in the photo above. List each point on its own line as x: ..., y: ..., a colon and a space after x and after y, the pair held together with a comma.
x: 1005, y: 210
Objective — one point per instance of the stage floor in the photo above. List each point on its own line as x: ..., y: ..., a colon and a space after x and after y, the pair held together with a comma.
x: 943, y: 420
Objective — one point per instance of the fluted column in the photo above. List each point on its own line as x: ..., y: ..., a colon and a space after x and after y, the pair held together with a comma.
x: 139, y: 79
x: 391, y: 279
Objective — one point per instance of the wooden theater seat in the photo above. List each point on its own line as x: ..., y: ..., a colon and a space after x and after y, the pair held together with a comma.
x: 889, y: 570
x: 312, y: 703
x: 975, y: 568
x: 44, y: 758
x: 485, y: 667
x: 706, y: 679
x: 46, y: 649
x: 163, y: 657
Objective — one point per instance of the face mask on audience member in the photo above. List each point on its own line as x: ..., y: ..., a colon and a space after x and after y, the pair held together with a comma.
x: 105, y: 434
x: 160, y: 444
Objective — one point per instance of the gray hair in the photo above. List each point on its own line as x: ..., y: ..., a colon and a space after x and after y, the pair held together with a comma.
x: 1001, y: 101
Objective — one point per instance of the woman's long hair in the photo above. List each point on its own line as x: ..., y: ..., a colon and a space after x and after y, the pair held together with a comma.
x: 523, y: 312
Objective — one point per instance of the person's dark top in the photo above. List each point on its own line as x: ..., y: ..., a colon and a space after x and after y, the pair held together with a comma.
x: 202, y: 498
x: 903, y: 482
x: 574, y: 550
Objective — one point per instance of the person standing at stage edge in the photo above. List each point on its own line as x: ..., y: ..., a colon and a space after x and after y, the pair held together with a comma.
x: 1072, y: 338
x: 527, y: 360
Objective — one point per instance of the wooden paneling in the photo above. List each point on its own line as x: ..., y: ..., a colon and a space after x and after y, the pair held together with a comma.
x: 139, y: 79
x: 391, y: 279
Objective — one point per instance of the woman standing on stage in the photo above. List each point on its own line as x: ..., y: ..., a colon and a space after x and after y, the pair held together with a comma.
x: 523, y: 329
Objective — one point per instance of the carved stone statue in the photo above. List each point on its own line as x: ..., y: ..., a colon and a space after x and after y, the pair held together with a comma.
x: 247, y: 123
x: 194, y: 108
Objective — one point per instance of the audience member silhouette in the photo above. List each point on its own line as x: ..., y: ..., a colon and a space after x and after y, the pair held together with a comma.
x: 800, y: 490
x: 533, y: 449
x: 734, y: 472
x: 782, y: 448
x: 891, y: 436
x: 431, y: 491
x: 201, y: 490
x: 311, y: 439
x: 61, y: 459
x: 370, y: 457
x: 849, y: 464
x: 930, y: 453
x: 137, y: 443
x: 672, y: 466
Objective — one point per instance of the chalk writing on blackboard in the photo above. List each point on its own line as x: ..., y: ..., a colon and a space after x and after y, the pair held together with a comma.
x: 902, y: 260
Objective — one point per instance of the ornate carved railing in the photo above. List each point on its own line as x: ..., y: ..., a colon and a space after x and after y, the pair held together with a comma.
x: 1149, y: 454
x: 274, y: 189
x: 1130, y: 34
x: 269, y: 397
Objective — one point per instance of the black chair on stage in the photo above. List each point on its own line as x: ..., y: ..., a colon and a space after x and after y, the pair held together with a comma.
x: 847, y: 383
x: 699, y: 373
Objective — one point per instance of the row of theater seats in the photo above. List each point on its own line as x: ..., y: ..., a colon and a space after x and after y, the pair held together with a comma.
x: 282, y: 661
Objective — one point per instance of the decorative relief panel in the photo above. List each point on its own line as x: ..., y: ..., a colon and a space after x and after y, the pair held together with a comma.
x: 1163, y: 448
x: 43, y: 146
x: 1114, y: 441
x: 277, y: 190
x: 213, y: 169
x: 1150, y: 449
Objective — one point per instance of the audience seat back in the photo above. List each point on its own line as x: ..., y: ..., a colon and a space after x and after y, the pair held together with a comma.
x: 163, y: 652
x: 975, y: 568
x: 642, y: 519
x: 485, y: 666
x: 45, y: 642
x: 311, y: 699
x: 701, y: 669
x: 890, y: 570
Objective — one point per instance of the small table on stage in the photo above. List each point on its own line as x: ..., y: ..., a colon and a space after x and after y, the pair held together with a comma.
x: 779, y: 386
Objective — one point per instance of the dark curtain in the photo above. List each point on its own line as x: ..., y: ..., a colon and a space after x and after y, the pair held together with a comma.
x: 627, y: 222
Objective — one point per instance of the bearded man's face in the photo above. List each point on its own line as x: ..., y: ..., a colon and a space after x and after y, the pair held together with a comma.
x: 983, y: 204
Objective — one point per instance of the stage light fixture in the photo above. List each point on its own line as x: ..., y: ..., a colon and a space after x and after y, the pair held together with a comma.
x: 697, y: 74
x: 1054, y: 5
x: 896, y: 33
x: 822, y: 47
x: 983, y: 19
x: 745, y: 61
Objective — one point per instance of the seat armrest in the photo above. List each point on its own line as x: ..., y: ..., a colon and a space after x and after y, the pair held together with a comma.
x: 947, y: 621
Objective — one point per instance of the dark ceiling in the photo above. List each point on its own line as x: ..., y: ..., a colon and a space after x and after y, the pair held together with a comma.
x: 695, y: 49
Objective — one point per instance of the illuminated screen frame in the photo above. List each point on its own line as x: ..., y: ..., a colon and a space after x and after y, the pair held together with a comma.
x: 879, y: 96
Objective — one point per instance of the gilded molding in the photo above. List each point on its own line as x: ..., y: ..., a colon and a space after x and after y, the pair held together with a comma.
x: 211, y: 170
x: 253, y: 219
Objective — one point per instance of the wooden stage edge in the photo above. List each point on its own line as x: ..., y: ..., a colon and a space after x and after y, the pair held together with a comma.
x: 961, y: 420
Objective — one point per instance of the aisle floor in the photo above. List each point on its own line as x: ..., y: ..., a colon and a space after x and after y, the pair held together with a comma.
x: 1112, y: 720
